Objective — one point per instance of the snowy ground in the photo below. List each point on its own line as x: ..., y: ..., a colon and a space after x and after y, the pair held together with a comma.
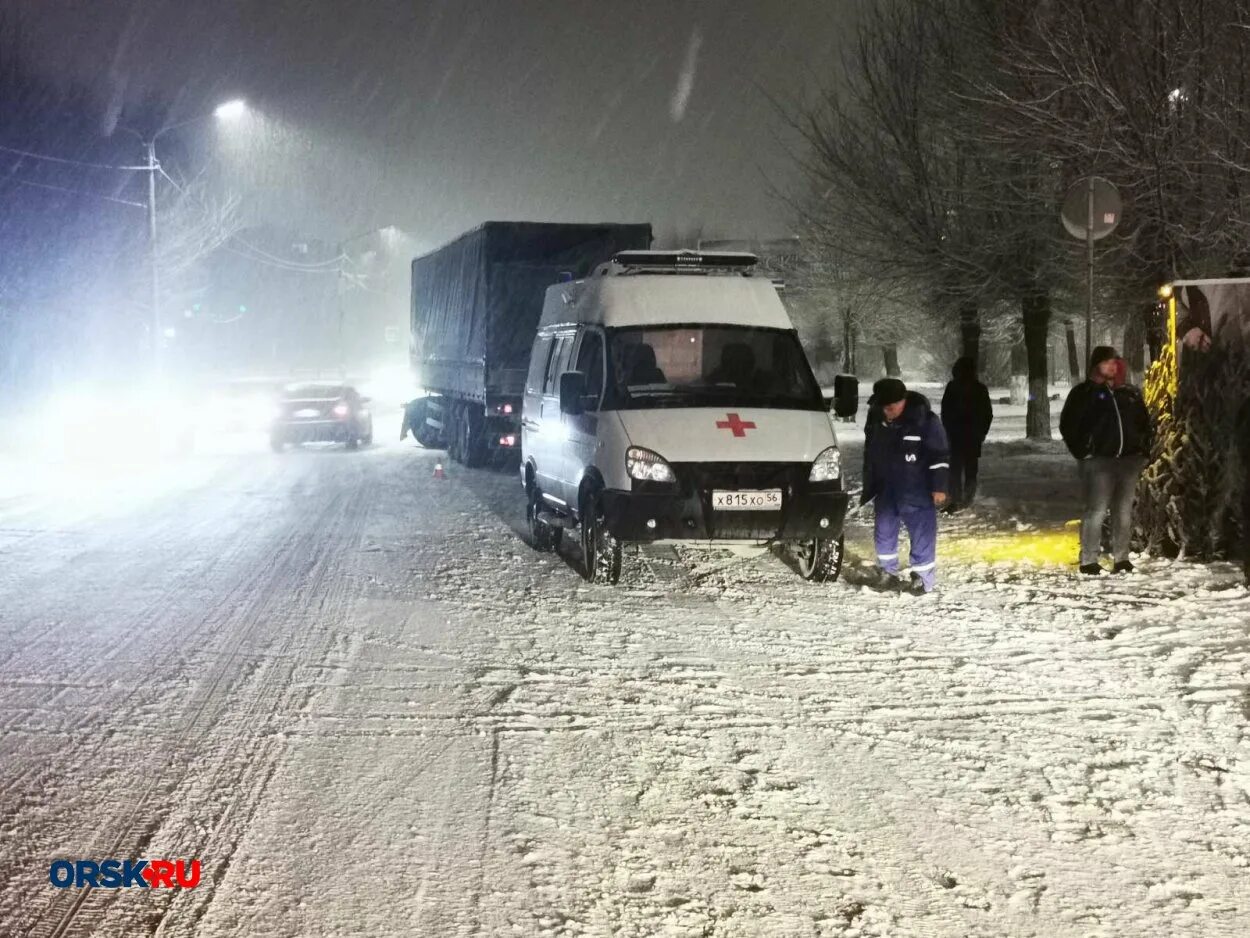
x: 369, y: 708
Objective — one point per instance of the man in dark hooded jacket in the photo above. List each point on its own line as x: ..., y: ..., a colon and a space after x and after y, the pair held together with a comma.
x: 1108, y: 430
x: 906, y: 469
x: 966, y: 415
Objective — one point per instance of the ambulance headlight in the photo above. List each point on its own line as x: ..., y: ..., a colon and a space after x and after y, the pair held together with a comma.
x: 646, y: 466
x: 827, y: 467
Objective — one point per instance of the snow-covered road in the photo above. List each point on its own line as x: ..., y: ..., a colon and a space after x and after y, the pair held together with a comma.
x: 360, y: 699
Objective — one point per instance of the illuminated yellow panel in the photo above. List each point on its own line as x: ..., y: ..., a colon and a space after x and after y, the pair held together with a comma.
x: 1053, y: 548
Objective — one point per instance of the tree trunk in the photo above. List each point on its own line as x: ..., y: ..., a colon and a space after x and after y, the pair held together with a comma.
x: 1156, y: 329
x: 1074, y: 360
x: 848, y: 342
x: 970, y: 330
x: 890, y: 353
x: 1134, y: 351
x: 1036, y: 310
x: 1019, y: 386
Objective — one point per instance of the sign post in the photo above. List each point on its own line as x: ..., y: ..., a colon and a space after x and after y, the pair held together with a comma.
x: 1091, y: 211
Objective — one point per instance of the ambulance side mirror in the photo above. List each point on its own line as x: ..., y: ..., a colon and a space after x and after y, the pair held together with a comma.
x: 572, y: 393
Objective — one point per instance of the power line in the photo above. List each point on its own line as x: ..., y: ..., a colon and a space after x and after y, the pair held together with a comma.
x: 263, y: 256
x: 319, y: 267
x: 280, y: 265
x: 59, y: 159
x: 94, y: 195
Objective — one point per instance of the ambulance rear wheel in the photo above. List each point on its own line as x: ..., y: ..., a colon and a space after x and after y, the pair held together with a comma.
x: 820, y: 561
x: 543, y: 536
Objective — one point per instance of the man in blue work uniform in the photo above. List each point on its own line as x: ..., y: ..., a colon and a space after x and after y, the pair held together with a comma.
x: 906, y: 470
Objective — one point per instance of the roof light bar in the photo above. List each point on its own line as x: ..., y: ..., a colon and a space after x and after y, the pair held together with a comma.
x: 685, y: 259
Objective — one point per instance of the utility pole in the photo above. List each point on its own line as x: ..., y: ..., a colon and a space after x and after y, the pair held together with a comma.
x: 229, y: 110
x: 155, y: 264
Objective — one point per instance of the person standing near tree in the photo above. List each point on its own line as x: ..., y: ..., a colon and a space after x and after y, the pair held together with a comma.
x: 966, y: 416
x: 906, y: 465
x: 1109, y: 432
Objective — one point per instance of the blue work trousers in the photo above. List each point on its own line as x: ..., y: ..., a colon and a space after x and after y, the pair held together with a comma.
x: 921, y: 525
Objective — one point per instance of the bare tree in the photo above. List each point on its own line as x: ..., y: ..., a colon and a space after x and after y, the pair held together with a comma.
x: 912, y: 182
x: 1153, y: 94
x: 195, y: 222
x: 890, y: 179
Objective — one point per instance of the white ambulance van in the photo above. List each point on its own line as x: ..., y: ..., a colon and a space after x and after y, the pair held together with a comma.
x: 668, y: 400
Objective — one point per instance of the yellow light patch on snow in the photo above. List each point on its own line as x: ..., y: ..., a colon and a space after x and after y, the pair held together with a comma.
x: 1051, y: 548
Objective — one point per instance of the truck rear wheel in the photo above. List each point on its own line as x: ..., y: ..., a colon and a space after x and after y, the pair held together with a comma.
x: 451, y: 428
x: 473, y: 448
x: 820, y: 561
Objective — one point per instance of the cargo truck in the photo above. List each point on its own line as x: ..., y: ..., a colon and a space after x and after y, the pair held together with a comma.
x: 476, y: 303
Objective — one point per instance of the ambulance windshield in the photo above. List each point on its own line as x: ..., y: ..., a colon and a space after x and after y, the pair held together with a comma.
x: 708, y: 366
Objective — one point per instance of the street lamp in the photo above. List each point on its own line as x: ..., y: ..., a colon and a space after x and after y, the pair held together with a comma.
x: 229, y: 110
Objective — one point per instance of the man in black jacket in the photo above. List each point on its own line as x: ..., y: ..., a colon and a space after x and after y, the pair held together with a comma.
x: 1108, y: 430
x: 966, y: 415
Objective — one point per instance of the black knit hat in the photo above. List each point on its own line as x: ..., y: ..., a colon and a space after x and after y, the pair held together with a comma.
x: 888, y: 391
x: 1100, y: 354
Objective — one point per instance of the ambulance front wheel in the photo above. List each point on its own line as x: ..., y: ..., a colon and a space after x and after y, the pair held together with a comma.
x: 820, y: 561
x: 601, y: 552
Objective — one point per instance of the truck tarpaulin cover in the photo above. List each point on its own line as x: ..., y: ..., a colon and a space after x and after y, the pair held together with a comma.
x: 1213, y: 313
x: 476, y: 302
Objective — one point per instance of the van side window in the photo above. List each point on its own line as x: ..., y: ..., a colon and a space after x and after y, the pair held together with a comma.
x: 590, y: 363
x: 559, y: 354
x: 538, y: 365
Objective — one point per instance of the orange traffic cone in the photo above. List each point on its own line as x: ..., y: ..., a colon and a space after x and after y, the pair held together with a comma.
x: 438, y: 471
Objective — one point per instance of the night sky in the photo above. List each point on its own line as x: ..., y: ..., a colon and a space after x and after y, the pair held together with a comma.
x: 434, y: 115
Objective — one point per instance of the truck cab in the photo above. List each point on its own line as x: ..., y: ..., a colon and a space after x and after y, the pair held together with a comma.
x: 668, y: 400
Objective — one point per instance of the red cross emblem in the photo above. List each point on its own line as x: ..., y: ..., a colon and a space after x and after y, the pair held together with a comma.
x: 736, y: 424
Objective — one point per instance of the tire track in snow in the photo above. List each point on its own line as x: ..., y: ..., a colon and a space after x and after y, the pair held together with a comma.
x: 238, y: 619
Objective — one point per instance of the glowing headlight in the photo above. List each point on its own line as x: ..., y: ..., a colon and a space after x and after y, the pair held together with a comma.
x: 646, y: 466
x: 827, y: 467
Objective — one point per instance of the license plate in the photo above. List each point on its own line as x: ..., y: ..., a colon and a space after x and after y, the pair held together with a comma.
x: 758, y: 500
x: 308, y: 412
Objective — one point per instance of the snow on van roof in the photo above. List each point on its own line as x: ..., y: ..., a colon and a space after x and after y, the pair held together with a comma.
x: 672, y: 298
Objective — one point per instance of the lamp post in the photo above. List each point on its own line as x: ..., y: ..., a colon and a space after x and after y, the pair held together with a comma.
x: 229, y: 110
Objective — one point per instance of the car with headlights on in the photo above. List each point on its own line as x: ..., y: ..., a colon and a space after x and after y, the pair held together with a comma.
x: 244, y: 405
x: 321, y: 413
